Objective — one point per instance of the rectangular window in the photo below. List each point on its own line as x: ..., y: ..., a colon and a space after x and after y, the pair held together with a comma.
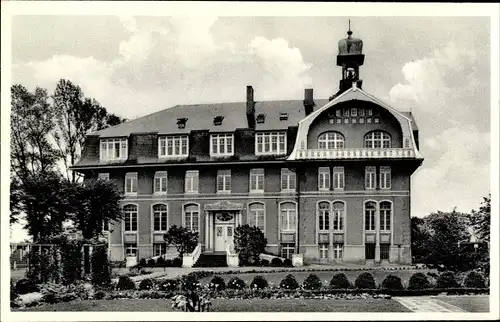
x: 191, y: 181
x: 354, y: 111
x: 113, y: 149
x: 369, y: 112
x: 385, y: 177
x: 256, y: 215
x: 354, y: 120
x: 224, y: 181
x: 361, y: 120
x: 337, y: 251
x: 160, y: 182
x: 270, y: 143
x: 368, y: 120
x: 287, y: 180
x: 131, y: 250
x: 257, y: 180
x: 130, y: 220
x: 346, y: 112
x: 376, y: 120
x: 103, y: 176
x: 131, y: 183
x: 346, y: 121
x: 160, y: 217
x: 323, y: 251
x: 338, y: 216
x: 370, y: 178
x: 288, y: 212
x: 385, y: 216
x: 338, y: 178
x: 324, y: 216
x: 221, y: 145
x: 339, y: 121
x: 159, y: 249
x: 361, y: 112
x: 384, y: 251
x: 287, y: 250
x: 105, y: 225
x: 338, y: 112
x: 370, y: 219
x: 324, y: 178
x: 191, y: 217
x: 173, y: 146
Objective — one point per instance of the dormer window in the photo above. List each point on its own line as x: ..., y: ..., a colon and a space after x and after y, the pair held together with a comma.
x: 261, y: 118
x: 221, y: 145
x: 270, y: 143
x: 181, y: 122
x: 283, y: 116
x: 113, y: 149
x: 173, y: 146
x: 218, y: 120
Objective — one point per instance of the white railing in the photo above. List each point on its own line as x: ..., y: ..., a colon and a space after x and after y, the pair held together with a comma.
x: 188, y: 260
x: 356, y: 153
x: 232, y: 259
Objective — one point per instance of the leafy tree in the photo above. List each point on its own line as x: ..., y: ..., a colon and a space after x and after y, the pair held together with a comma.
x: 419, y: 236
x: 249, y: 243
x: 184, y: 240
x: 481, y: 220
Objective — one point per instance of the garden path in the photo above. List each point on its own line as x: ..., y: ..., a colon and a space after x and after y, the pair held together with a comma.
x: 425, y: 304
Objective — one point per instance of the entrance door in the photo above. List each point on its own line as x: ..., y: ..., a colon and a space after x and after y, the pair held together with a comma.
x: 369, y: 251
x: 223, y: 236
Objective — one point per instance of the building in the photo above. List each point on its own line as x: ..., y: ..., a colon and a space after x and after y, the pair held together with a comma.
x: 325, y: 178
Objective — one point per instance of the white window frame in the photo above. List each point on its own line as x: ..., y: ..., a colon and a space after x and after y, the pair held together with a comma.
x: 324, y: 213
x: 338, y: 217
x: 285, y: 212
x: 377, y: 140
x: 162, y: 249
x: 191, y: 214
x: 371, y: 223
x: 338, y: 178
x: 103, y: 176
x: 255, y: 213
x: 107, y: 150
x: 133, y: 178
x: 159, y: 179
x: 324, y: 178
x: 323, y: 251
x: 257, y: 180
x: 385, y: 214
x: 177, y: 144
x: 287, y: 250
x: 338, y: 251
x: 291, y: 180
x: 370, y: 178
x: 163, y: 217
x: 385, y: 177
x: 331, y: 141
x: 129, y: 216
x: 192, y: 181
x: 128, y: 247
x: 223, y: 181
x: 219, y: 145
x: 270, y: 143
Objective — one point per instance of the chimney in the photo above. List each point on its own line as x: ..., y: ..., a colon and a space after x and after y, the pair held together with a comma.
x: 308, y: 101
x: 250, y: 107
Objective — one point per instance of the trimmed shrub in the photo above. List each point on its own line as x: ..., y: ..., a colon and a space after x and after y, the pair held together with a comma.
x: 287, y: 262
x: 168, y: 285
x: 177, y: 262
x: 142, y: 262
x: 99, y: 295
x: 392, y: 282
x: 365, y: 281
x: 236, y: 283
x: 101, y: 269
x: 190, y: 282
x: 418, y: 281
x: 259, y: 282
x: 474, y: 280
x: 340, y: 281
x: 289, y: 283
x: 146, y: 284
x: 125, y: 283
x: 55, y: 293
x: 218, y: 283
x: 249, y: 242
x: 25, y: 286
x: 276, y: 262
x: 312, y: 282
x: 160, y: 262
x: 447, y: 280
x: 151, y: 262
x: 264, y: 263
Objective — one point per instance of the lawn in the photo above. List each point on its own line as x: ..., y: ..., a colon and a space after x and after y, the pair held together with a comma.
x: 468, y: 303
x: 219, y: 305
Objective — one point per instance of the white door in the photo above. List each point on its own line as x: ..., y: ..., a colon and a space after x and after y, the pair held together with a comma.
x: 223, y: 236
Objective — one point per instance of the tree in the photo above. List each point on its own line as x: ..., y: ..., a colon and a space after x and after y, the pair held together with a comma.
x: 184, y: 240
x: 481, y: 220
x: 419, y: 236
x: 249, y: 243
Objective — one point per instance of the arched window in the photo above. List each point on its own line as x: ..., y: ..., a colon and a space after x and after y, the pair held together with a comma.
x: 288, y: 213
x: 338, y: 216
x: 130, y: 217
x: 256, y: 215
x: 377, y: 140
x: 191, y: 216
x: 385, y: 216
x: 331, y: 140
x: 370, y: 208
x: 160, y: 217
x: 324, y: 216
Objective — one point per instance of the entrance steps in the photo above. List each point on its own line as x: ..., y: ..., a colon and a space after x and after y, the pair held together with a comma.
x: 213, y: 259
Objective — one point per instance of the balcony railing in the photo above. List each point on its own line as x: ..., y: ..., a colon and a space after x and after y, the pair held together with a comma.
x: 357, y: 153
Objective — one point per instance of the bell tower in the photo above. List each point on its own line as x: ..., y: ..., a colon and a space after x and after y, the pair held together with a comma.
x: 350, y: 58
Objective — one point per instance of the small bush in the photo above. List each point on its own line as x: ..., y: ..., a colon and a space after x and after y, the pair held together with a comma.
x: 160, y: 262
x: 312, y: 282
x: 289, y: 283
x: 418, y: 281
x: 264, y: 263
x: 259, y: 282
x: 99, y: 295
x: 151, y: 262
x: 392, y: 282
x: 125, y: 283
x: 474, y: 280
x: 287, y: 262
x: 236, y: 283
x: 177, y: 262
x: 142, y: 262
x: 218, y: 283
x: 146, y: 284
x: 446, y: 280
x: 276, y: 262
x: 365, y: 281
x: 168, y: 285
x: 25, y: 286
x: 190, y: 282
x: 55, y: 293
x: 340, y: 281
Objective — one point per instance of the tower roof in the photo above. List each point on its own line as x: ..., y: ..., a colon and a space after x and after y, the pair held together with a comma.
x: 350, y: 45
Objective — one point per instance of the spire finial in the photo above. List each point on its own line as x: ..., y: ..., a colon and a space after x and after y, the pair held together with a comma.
x: 349, y: 32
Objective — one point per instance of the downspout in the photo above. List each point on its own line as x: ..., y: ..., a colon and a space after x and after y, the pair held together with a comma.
x: 297, y: 187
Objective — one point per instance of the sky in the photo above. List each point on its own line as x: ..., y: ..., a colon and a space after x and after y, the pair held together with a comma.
x: 437, y: 67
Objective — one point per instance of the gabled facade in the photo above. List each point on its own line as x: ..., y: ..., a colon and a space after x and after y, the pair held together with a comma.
x: 329, y: 179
